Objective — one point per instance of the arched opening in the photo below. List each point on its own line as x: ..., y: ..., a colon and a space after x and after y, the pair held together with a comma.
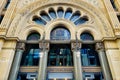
x: 60, y: 55
x: 30, y: 58
x: 90, y: 58
x: 60, y: 33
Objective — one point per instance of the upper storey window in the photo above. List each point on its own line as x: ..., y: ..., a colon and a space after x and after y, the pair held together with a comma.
x: 60, y: 34
x: 86, y: 36
x: 32, y: 52
x: 46, y: 16
x: 33, y: 36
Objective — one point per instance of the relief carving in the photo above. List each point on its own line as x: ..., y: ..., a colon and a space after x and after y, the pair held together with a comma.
x: 44, y: 46
x: 99, y: 46
x: 21, y: 46
x: 76, y: 46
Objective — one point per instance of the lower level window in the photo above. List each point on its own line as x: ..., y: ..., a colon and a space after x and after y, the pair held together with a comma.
x: 27, y: 76
x: 92, y: 76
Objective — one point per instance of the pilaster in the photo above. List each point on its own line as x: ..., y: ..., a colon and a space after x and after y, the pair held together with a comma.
x: 6, y: 58
x: 113, y: 55
x: 112, y: 16
x: 103, y: 61
x: 77, y: 61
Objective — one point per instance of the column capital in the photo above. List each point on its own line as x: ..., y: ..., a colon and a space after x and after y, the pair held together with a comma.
x: 21, y: 45
x: 44, y: 45
x: 99, y: 46
x: 75, y: 46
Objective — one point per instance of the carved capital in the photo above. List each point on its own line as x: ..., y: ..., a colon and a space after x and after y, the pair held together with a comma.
x: 44, y: 46
x: 99, y: 46
x: 21, y: 46
x: 75, y: 46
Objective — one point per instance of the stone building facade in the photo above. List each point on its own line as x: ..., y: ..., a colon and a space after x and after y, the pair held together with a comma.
x: 59, y: 39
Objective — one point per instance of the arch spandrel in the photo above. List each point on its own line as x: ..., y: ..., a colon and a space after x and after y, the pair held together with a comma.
x: 26, y: 31
x: 80, y: 5
x: 96, y: 33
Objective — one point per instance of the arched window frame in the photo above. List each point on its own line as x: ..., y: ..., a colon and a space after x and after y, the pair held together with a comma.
x: 63, y: 35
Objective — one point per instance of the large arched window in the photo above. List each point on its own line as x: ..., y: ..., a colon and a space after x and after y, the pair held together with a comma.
x: 32, y: 51
x: 60, y: 33
x: 88, y: 54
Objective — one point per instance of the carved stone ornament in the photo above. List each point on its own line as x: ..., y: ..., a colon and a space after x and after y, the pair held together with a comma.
x: 44, y: 46
x: 21, y: 46
x: 76, y: 46
x: 99, y: 46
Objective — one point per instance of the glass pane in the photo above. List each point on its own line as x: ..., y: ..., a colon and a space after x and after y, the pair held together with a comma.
x: 60, y: 34
x: 52, y: 14
x: 89, y: 56
x: 75, y: 16
x: 1, y: 18
x: 33, y: 36
x: 39, y: 21
x: 45, y: 16
x: 86, y: 36
x: 80, y: 21
x: 60, y: 13
x: 68, y: 13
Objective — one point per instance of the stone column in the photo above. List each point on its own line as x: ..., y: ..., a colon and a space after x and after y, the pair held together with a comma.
x: 43, y: 61
x: 77, y: 61
x: 16, y: 61
x: 103, y: 61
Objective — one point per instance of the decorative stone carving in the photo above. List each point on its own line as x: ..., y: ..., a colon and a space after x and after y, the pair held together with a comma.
x: 44, y: 45
x: 21, y: 46
x: 99, y: 46
x: 76, y: 45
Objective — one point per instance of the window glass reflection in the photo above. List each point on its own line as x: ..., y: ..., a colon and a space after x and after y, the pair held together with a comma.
x: 75, y: 16
x: 80, y: 21
x: 86, y: 36
x: 60, y: 13
x: 89, y: 56
x: 45, y: 16
x: 33, y: 36
x: 52, y: 13
x: 68, y: 14
x: 38, y: 20
x: 60, y: 34
x: 31, y: 55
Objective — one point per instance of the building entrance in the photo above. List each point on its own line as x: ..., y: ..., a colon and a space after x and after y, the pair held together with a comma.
x: 60, y: 55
